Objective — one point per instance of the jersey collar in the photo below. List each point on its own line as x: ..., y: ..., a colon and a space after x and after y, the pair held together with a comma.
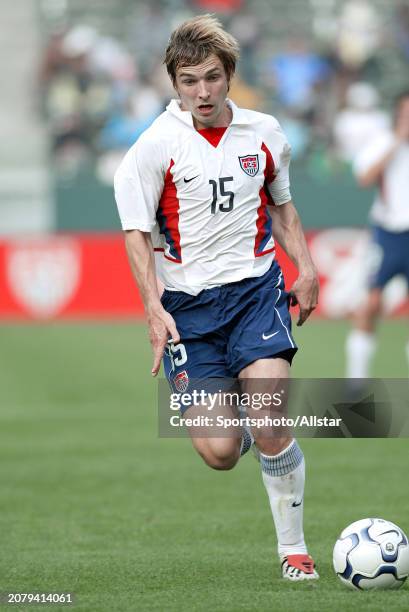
x: 240, y: 116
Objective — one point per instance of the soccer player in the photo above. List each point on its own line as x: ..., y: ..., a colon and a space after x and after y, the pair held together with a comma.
x: 384, y: 162
x: 193, y: 194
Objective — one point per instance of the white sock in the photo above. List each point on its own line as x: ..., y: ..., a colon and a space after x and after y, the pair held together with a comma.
x: 360, y: 347
x: 284, y: 477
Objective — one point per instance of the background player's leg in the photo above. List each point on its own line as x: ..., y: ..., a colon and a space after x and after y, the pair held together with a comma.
x: 361, y: 341
x: 283, y: 473
x: 407, y: 352
x: 406, y: 274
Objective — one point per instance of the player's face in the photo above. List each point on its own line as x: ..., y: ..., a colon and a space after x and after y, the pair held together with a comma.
x: 202, y: 90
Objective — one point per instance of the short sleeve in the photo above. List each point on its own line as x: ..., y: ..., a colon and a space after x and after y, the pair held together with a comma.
x: 138, y: 184
x: 280, y: 150
x: 373, y: 152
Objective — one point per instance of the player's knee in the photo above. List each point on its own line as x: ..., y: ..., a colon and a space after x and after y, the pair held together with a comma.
x: 221, y: 459
x: 369, y: 312
x: 374, y: 303
x: 220, y: 464
x: 375, y: 309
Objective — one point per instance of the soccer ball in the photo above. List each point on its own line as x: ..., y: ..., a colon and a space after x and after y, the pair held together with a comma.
x: 372, y: 554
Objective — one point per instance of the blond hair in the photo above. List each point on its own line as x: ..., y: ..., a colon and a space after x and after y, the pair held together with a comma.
x: 194, y: 40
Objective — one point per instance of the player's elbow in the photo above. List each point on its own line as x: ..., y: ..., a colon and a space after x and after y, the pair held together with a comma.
x: 135, y: 237
x: 137, y: 245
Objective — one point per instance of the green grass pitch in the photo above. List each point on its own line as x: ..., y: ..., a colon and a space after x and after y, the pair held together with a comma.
x: 94, y: 503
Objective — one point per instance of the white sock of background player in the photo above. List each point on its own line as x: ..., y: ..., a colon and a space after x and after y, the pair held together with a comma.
x: 360, y: 348
x: 284, y: 477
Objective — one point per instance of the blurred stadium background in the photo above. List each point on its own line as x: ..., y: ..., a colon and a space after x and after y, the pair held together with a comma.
x: 89, y: 79
x: 91, y: 500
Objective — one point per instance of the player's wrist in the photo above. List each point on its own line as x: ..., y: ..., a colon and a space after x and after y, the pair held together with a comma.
x: 308, y: 272
x: 153, y: 309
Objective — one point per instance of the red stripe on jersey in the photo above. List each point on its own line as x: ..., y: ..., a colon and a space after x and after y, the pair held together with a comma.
x: 265, y: 252
x: 263, y: 222
x: 168, y: 213
x: 269, y: 170
x: 213, y: 135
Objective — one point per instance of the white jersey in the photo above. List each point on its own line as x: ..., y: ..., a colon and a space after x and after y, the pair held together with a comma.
x: 203, y: 196
x: 390, y: 209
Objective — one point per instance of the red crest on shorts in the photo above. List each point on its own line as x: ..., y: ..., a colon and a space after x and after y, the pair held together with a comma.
x: 249, y: 164
x: 181, y: 381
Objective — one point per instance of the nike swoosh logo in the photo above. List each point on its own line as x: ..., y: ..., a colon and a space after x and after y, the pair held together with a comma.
x: 294, y: 505
x: 191, y: 179
x: 269, y: 336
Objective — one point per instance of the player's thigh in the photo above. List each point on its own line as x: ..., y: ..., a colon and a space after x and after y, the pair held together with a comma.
x: 388, y: 254
x: 270, y: 368
x: 191, y: 361
x: 263, y: 330
x: 405, y: 259
x: 197, y: 369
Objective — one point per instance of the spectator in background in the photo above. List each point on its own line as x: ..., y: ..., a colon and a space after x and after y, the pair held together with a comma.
x: 67, y: 79
x: 89, y: 85
x: 297, y: 73
x: 99, y: 92
x: 402, y: 28
x: 124, y: 126
x: 358, y: 121
x: 245, y: 26
x: 359, y: 33
x: 243, y: 95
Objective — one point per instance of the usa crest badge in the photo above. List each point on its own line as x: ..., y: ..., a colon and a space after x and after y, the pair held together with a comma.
x: 181, y: 381
x: 249, y: 164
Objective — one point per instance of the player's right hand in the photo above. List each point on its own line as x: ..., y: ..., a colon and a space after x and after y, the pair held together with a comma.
x: 162, y: 327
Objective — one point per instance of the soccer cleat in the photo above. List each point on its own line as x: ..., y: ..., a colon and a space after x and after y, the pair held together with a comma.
x: 299, y: 567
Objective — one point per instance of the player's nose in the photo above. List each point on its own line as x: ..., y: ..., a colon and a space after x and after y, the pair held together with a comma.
x: 203, y: 92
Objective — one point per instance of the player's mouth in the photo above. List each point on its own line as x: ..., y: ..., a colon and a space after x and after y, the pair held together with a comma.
x: 205, y: 109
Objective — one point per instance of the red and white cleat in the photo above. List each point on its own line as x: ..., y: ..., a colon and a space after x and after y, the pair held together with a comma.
x: 299, y: 567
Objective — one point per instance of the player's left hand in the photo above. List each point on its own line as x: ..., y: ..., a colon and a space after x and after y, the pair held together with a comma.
x: 304, y: 292
x: 161, y: 326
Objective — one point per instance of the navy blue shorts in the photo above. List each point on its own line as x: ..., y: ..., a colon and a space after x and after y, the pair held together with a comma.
x: 392, y: 249
x: 226, y: 328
